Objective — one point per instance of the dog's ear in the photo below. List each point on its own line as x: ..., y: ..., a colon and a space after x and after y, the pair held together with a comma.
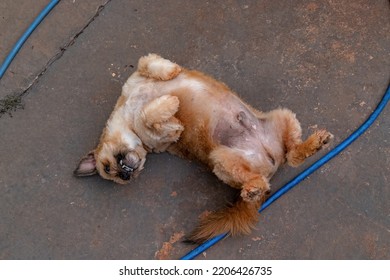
x: 87, y: 166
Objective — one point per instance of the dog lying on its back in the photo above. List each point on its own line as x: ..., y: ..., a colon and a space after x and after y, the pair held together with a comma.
x: 164, y: 107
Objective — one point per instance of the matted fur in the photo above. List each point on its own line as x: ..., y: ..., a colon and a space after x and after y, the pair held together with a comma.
x: 164, y: 107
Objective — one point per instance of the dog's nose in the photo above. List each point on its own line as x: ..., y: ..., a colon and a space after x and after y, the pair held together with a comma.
x: 124, y: 176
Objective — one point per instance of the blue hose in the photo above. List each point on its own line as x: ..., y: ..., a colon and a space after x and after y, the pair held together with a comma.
x: 25, y: 36
x: 331, y: 154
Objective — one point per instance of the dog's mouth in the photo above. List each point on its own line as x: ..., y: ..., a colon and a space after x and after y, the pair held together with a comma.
x: 127, y: 165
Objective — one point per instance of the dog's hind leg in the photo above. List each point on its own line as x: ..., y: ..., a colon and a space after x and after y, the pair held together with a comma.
x: 296, y: 149
x: 298, y: 152
x: 233, y: 169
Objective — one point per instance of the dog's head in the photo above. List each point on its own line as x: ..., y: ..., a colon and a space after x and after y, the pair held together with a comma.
x: 118, y: 157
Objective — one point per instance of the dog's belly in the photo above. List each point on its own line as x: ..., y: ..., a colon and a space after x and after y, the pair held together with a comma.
x: 215, y: 118
x: 235, y: 126
x: 243, y: 132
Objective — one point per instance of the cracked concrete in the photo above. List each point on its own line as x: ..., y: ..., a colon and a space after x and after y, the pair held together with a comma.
x: 45, y: 45
x: 328, y: 61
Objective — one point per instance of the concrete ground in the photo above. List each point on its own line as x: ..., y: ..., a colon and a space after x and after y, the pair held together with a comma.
x: 329, y: 61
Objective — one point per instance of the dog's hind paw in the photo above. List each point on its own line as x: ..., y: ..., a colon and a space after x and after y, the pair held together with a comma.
x: 323, y: 137
x: 255, y: 190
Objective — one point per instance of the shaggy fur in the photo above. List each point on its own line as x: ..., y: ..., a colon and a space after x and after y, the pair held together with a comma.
x: 164, y: 107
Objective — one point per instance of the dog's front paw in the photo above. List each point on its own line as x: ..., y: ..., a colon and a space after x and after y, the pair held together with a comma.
x: 159, y: 111
x: 171, y: 130
x: 166, y: 106
x: 155, y: 67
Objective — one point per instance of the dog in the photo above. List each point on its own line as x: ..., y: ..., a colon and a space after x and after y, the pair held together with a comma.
x: 165, y: 107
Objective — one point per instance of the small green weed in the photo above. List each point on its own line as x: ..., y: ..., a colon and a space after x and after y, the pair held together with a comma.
x: 10, y: 104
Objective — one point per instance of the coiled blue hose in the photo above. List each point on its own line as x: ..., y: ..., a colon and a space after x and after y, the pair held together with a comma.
x: 331, y: 154
x: 25, y: 35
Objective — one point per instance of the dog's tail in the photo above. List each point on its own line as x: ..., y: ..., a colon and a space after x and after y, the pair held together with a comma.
x: 237, y: 219
x: 155, y: 67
